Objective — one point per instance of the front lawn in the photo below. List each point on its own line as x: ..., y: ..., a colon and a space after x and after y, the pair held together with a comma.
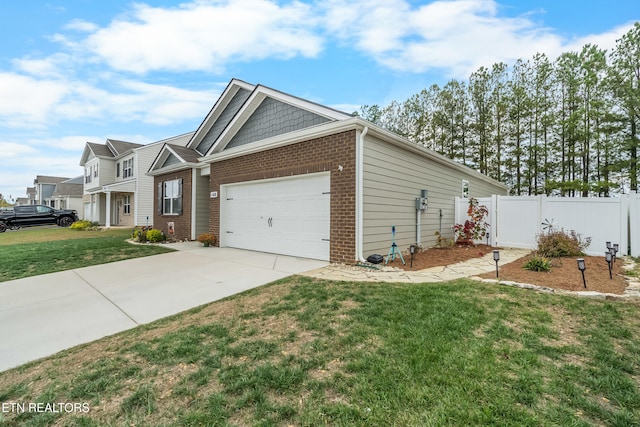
x: 309, y: 352
x: 32, y: 251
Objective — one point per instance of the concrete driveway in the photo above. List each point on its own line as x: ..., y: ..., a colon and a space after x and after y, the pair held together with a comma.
x: 43, y: 315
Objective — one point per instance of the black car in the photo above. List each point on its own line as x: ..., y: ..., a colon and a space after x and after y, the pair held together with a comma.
x: 21, y: 216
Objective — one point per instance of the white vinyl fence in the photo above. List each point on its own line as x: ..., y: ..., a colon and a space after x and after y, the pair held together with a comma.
x: 516, y: 221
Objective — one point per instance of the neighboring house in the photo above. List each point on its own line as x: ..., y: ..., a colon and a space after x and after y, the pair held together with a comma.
x: 31, y: 196
x: 68, y: 194
x: 22, y: 201
x: 117, y: 190
x: 44, y: 188
x: 271, y: 172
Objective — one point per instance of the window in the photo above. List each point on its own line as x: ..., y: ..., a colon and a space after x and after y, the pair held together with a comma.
x: 127, y: 168
x: 170, y: 197
x: 465, y: 189
x: 95, y: 171
x: 118, y: 170
x: 87, y: 174
x: 126, y: 205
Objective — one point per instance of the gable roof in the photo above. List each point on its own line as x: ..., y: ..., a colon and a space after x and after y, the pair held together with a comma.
x: 174, y: 157
x: 43, y: 179
x: 110, y: 150
x: 118, y: 148
x: 283, y: 107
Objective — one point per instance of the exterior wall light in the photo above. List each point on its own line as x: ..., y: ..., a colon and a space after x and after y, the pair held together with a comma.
x: 582, y: 267
x: 496, y: 258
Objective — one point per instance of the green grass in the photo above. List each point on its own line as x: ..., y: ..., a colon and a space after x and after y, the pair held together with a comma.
x: 308, y: 352
x: 34, y: 251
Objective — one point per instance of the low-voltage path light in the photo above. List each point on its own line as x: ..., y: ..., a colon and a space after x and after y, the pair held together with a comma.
x: 412, y: 251
x: 582, y: 267
x: 616, y: 248
x: 609, y: 257
x: 496, y: 258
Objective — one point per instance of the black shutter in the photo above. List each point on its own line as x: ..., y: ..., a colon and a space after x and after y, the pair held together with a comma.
x: 180, y: 196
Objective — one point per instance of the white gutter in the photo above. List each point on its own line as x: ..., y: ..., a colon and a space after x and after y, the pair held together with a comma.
x: 194, y: 202
x: 359, y: 193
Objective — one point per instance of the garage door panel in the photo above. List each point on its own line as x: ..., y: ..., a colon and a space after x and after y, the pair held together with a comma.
x: 288, y: 216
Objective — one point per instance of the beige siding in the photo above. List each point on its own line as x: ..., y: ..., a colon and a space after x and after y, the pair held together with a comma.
x: 145, y: 192
x: 393, y: 178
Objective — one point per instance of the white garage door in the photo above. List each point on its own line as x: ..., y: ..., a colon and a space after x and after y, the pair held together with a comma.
x: 284, y: 216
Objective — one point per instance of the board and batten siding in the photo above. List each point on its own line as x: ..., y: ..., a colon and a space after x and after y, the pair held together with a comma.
x: 393, y: 177
x: 202, y: 203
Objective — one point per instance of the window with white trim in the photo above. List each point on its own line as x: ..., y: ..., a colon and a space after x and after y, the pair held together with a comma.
x: 171, y: 197
x: 87, y: 174
x: 127, y: 168
x: 126, y: 205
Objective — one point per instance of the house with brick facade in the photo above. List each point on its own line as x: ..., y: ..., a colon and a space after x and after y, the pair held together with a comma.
x: 268, y: 171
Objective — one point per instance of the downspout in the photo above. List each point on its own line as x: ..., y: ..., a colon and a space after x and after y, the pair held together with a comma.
x: 194, y: 203
x: 359, y: 193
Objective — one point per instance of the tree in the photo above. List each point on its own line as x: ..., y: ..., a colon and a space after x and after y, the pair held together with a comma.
x: 625, y: 76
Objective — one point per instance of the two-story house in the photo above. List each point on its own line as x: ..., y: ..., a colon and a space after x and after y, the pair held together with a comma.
x: 117, y: 190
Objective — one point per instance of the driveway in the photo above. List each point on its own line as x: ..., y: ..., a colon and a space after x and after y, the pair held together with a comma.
x: 43, y: 315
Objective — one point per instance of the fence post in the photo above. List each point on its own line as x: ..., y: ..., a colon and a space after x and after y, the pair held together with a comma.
x: 624, y: 224
x: 634, y: 226
x: 494, y: 218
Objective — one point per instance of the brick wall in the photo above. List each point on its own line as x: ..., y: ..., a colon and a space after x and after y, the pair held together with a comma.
x: 317, y: 155
x: 182, y: 223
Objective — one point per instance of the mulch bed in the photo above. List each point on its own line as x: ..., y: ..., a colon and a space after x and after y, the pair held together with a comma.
x: 564, y: 272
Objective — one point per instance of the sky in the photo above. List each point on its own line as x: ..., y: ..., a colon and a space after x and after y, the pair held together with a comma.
x: 73, y: 71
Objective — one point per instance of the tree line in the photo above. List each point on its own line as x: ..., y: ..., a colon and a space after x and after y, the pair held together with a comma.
x: 564, y: 127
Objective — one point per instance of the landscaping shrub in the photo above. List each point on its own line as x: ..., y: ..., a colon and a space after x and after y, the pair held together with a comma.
x: 155, y: 236
x: 538, y: 263
x: 84, y: 225
x: 555, y: 244
x: 207, y: 239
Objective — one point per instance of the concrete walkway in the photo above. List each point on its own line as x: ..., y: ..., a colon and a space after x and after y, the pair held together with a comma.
x: 42, y: 315
x: 469, y: 268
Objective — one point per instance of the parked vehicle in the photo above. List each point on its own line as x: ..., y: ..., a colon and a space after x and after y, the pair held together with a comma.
x: 21, y: 216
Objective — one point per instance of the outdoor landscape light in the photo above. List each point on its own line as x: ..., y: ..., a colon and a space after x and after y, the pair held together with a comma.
x: 412, y: 251
x: 496, y: 258
x: 616, y: 247
x: 609, y: 257
x: 608, y: 245
x: 582, y: 267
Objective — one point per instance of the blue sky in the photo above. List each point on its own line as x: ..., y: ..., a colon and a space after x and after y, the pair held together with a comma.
x: 73, y: 71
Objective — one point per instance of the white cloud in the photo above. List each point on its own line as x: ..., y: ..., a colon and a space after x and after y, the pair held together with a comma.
x: 455, y: 36
x: 11, y: 150
x: 81, y: 25
x: 206, y: 35
x: 26, y: 101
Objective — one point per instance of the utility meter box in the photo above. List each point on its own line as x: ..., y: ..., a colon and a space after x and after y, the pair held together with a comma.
x: 422, y: 201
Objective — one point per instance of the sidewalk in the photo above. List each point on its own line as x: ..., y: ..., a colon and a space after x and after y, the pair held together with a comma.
x: 469, y: 268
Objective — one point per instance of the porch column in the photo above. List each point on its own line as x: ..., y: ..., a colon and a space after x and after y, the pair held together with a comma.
x: 107, y: 213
